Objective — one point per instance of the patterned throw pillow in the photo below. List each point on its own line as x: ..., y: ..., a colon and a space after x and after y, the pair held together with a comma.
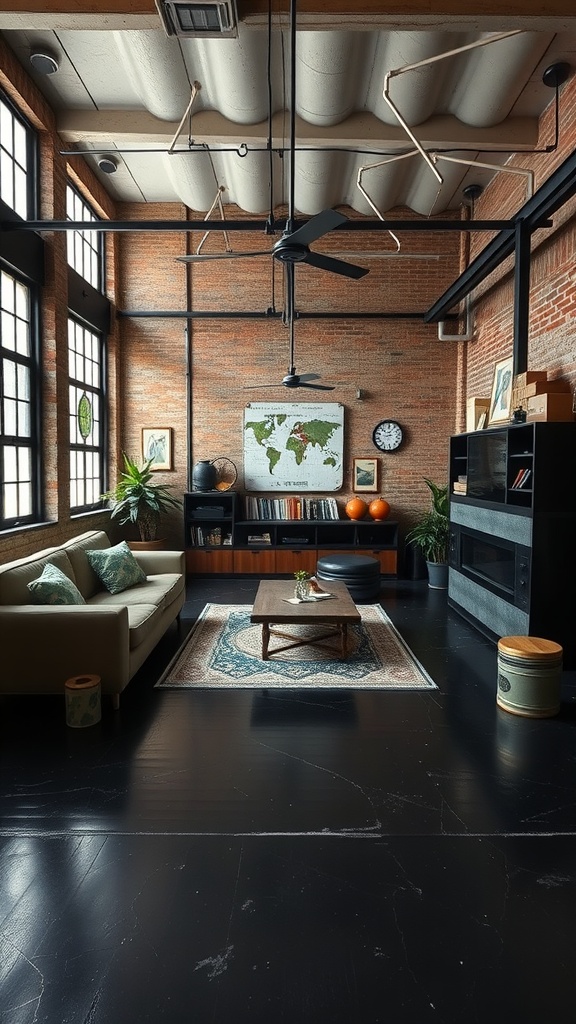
x: 116, y: 567
x: 54, y: 587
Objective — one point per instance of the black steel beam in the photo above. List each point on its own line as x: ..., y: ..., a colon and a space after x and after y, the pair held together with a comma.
x: 550, y: 197
x: 254, y: 225
x: 521, y: 298
x: 212, y: 314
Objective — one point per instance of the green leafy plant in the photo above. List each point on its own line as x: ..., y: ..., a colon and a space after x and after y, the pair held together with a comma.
x: 432, y: 531
x: 301, y: 575
x: 135, y: 499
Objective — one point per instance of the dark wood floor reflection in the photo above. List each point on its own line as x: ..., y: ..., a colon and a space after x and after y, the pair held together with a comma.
x: 349, y: 857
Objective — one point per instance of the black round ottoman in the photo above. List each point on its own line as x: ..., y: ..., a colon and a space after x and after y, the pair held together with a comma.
x: 360, y: 573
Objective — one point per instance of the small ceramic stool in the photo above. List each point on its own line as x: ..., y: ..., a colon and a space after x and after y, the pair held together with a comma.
x: 529, y: 674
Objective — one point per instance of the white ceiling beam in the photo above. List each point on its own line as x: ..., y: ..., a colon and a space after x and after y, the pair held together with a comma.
x: 135, y: 128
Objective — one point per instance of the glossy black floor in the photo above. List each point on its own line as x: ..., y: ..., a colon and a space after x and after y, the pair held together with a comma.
x: 292, y: 856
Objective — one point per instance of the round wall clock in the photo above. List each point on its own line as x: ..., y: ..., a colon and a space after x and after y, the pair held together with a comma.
x: 387, y: 435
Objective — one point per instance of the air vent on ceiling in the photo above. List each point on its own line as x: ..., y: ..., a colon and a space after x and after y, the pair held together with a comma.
x: 197, y: 18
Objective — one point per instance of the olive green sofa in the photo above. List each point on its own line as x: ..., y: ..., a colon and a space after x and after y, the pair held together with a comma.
x: 111, y: 635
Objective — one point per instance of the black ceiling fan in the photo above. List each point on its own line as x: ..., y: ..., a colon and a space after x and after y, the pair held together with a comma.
x: 293, y: 379
x: 293, y: 246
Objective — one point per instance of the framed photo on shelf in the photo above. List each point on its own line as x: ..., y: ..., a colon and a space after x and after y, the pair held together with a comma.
x: 501, y: 398
x: 365, y: 475
x: 157, y: 445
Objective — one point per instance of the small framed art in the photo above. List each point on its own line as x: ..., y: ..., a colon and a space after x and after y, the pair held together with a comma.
x: 501, y: 398
x: 365, y: 475
x: 157, y: 446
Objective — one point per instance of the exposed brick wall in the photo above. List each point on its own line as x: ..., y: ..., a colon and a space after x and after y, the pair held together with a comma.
x: 403, y: 368
x: 551, y: 344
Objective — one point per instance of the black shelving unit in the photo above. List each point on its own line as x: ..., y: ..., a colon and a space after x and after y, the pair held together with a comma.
x: 209, y: 518
x: 217, y: 541
x: 513, y: 533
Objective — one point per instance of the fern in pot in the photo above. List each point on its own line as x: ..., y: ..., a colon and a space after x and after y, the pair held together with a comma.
x: 431, y: 534
x: 137, y: 499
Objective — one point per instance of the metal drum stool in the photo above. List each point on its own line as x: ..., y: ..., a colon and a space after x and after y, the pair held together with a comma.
x: 360, y: 573
x: 529, y: 673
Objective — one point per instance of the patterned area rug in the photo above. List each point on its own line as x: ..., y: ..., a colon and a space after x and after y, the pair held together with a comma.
x: 224, y: 650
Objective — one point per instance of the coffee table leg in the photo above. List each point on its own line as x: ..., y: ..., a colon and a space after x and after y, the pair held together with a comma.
x: 265, y: 640
x: 344, y: 639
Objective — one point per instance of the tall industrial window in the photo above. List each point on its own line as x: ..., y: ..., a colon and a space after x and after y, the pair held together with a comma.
x: 19, y: 354
x: 19, y: 451
x: 17, y: 161
x: 86, y: 372
x: 85, y: 248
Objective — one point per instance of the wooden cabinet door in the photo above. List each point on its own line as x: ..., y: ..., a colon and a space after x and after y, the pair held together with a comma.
x: 261, y: 562
x: 289, y: 560
x: 388, y: 561
x: 210, y: 560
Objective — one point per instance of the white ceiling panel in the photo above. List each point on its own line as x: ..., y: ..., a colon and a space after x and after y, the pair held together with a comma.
x: 126, y: 91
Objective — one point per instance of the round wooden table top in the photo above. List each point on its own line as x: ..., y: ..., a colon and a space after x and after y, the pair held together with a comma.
x: 529, y: 647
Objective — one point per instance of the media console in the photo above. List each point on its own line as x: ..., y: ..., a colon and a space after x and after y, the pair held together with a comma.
x: 512, y: 559
x: 217, y: 540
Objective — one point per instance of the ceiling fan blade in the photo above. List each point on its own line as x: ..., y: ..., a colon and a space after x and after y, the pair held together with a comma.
x: 317, y: 387
x: 309, y: 376
x: 317, y: 226
x: 317, y: 259
x: 204, y: 256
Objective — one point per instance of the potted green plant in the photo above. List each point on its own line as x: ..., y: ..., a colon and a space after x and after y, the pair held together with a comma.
x: 302, y: 585
x: 431, y: 534
x: 136, y: 499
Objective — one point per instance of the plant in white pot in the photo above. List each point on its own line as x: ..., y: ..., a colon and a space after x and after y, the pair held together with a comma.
x: 137, y: 499
x: 431, y: 534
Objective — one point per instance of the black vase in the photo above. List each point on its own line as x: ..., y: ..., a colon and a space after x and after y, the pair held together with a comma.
x: 203, y: 476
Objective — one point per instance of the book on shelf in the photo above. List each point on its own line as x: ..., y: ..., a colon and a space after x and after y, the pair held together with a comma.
x: 290, y: 508
x: 259, y: 538
x: 521, y: 479
x: 202, y: 537
x: 459, y: 488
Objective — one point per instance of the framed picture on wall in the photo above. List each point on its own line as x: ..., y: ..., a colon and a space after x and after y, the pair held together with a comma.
x: 157, y: 445
x: 501, y: 398
x: 365, y: 475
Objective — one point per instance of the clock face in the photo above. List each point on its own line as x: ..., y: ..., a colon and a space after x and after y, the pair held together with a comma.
x: 387, y: 435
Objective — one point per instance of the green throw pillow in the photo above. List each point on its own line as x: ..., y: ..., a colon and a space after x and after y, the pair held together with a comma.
x: 54, y: 587
x: 116, y: 567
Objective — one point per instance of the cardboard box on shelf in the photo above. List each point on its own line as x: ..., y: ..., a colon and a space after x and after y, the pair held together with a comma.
x: 545, y: 387
x: 529, y: 377
x: 474, y: 409
x: 550, y: 407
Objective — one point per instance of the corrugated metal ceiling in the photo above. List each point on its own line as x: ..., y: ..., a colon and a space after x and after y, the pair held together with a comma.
x: 124, y: 92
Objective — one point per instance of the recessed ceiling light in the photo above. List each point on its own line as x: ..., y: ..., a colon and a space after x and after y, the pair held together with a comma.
x: 43, y: 62
x: 108, y: 164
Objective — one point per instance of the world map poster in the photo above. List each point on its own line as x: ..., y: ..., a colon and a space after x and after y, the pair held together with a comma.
x: 293, y: 446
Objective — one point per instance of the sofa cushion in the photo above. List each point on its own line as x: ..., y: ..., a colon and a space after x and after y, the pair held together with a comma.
x: 116, y: 567
x: 142, y: 619
x: 86, y: 579
x: 15, y: 576
x: 159, y: 590
x: 54, y: 587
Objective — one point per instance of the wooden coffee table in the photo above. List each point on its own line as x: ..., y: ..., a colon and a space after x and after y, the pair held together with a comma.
x: 331, y: 616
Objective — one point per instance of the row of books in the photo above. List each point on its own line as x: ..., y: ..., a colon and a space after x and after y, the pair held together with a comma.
x: 290, y: 508
x: 521, y: 479
x: 203, y: 536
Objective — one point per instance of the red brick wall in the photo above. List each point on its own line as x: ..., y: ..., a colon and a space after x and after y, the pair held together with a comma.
x: 552, y: 293
x: 402, y: 367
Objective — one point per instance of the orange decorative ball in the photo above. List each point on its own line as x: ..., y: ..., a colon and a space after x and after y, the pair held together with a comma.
x: 356, y: 508
x: 379, y: 508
